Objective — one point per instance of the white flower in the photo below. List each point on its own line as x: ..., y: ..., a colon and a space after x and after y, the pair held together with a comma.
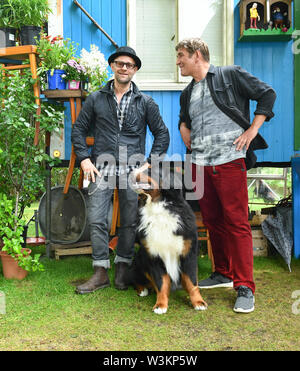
x: 93, y: 61
x: 95, y: 65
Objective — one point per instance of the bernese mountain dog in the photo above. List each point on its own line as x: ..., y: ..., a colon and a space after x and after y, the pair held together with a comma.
x: 167, y: 235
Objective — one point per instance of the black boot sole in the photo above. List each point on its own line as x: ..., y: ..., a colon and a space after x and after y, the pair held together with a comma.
x: 82, y: 292
x: 121, y: 287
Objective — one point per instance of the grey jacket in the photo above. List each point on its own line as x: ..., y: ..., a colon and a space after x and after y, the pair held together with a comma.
x: 231, y: 88
x: 98, y: 118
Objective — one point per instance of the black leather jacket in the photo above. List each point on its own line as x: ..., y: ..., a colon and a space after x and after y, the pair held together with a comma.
x: 231, y: 88
x: 98, y: 118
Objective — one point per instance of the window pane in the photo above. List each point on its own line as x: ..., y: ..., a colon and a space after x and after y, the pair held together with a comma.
x: 204, y: 19
x: 156, y: 39
x: 212, y: 29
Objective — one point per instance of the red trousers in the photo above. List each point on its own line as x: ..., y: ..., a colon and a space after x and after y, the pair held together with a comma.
x: 224, y: 208
x: 251, y: 22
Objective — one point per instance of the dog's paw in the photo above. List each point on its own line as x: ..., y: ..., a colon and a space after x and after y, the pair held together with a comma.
x: 159, y: 310
x: 200, y: 307
x: 144, y: 292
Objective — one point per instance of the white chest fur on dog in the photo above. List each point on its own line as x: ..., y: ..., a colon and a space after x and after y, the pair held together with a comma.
x: 160, y: 227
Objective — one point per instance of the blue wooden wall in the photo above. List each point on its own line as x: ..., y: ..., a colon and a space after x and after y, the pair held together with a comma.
x: 111, y: 16
x: 272, y: 62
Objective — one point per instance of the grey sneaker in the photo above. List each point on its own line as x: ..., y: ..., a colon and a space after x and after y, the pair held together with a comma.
x: 215, y: 280
x: 245, y: 300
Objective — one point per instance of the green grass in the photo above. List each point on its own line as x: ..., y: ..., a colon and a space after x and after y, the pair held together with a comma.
x: 44, y: 313
x: 28, y: 214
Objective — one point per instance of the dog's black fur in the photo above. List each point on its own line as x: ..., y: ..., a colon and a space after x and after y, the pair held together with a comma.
x: 148, y: 269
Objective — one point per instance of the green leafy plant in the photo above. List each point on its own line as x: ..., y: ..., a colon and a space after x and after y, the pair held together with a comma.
x: 54, y: 52
x: 26, y: 12
x: 11, y: 231
x: 6, y: 14
x: 22, y: 164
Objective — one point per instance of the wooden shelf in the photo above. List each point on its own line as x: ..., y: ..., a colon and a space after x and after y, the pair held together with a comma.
x: 266, y: 35
x: 64, y: 94
x: 19, y: 53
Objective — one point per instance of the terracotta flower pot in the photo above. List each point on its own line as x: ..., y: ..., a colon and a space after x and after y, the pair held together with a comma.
x: 11, y: 270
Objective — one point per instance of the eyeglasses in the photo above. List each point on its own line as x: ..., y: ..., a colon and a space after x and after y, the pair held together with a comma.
x: 129, y: 66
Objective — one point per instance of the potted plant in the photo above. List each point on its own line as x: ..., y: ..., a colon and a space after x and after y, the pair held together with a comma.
x: 29, y: 16
x: 16, y: 261
x: 7, y: 31
x: 54, y: 53
x: 74, y: 73
x: 95, y: 66
x: 22, y: 164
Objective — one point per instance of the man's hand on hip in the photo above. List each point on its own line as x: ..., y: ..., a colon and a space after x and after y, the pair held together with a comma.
x: 246, y: 138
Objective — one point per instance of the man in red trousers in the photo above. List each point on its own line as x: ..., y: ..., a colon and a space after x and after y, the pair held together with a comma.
x: 215, y: 126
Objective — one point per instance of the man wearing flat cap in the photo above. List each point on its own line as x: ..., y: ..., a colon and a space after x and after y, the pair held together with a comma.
x: 118, y: 114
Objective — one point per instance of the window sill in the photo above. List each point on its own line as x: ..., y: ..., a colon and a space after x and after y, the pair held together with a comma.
x: 161, y: 86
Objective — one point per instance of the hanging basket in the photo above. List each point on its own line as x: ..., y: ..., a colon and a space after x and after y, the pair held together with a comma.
x: 11, y: 270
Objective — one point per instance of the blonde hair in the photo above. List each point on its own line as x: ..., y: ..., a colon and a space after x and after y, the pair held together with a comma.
x: 193, y: 44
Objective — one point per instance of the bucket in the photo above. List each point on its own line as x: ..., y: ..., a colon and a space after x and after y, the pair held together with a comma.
x: 7, y: 37
x: 28, y: 34
x: 55, y: 81
x: 68, y: 216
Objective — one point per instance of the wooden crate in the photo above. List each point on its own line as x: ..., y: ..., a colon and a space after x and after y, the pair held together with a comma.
x: 260, y: 243
x: 257, y: 220
x: 78, y: 248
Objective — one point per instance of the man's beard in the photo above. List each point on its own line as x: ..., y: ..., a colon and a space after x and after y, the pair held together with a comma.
x: 123, y: 81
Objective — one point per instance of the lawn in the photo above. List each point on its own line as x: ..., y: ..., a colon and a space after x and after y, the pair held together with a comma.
x: 44, y: 313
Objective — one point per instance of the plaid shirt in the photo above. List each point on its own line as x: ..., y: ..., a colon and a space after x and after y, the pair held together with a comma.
x: 117, y: 170
x: 122, y: 107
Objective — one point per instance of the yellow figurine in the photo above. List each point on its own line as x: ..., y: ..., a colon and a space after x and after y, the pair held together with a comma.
x: 254, y: 15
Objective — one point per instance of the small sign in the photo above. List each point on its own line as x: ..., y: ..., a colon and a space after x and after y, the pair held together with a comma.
x: 2, y: 303
x: 11, y: 37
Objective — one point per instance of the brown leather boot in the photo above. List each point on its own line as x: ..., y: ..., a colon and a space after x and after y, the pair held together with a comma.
x: 99, y: 280
x: 121, y: 276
